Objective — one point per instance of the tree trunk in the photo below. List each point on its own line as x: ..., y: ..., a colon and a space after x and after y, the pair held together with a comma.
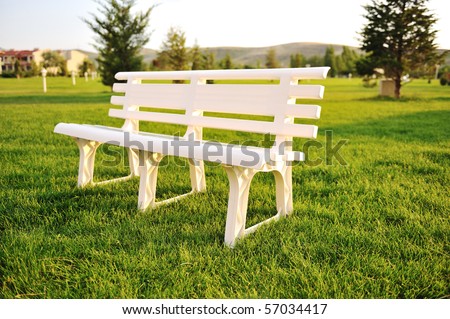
x: 398, y: 85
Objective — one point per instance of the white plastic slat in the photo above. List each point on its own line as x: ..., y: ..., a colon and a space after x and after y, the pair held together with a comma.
x: 257, y: 74
x: 296, y: 130
x: 150, y: 116
x: 169, y: 96
x: 239, y: 99
x: 304, y: 111
x: 119, y: 87
x: 306, y: 91
x: 118, y: 100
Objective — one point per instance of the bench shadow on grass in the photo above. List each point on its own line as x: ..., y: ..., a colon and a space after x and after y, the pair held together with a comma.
x: 182, y: 222
x: 404, y: 99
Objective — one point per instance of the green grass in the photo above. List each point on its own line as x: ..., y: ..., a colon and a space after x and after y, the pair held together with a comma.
x: 375, y: 228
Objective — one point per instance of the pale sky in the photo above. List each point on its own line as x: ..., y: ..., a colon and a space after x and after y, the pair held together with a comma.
x: 57, y: 24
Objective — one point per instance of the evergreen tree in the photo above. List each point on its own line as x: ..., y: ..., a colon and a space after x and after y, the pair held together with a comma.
x: 174, y: 55
x: 348, y: 58
x: 399, y: 37
x: 315, y: 60
x: 18, y: 72
x: 296, y: 60
x: 120, y: 37
x: 226, y: 62
x: 330, y: 60
x: 209, y: 61
x: 340, y: 66
x: 271, y: 59
x: 197, y: 58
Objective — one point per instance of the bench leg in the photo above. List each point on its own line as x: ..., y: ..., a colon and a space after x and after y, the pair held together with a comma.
x: 240, y: 179
x: 197, y: 172
x: 283, y: 181
x: 87, y: 159
x: 148, y: 176
x: 133, y: 161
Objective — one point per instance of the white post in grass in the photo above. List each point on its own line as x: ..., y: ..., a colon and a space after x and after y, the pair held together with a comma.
x: 85, y: 76
x: 44, y: 80
x: 74, y: 81
x: 437, y: 71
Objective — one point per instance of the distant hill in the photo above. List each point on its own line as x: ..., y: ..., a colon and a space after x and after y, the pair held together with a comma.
x: 149, y: 55
x: 250, y: 56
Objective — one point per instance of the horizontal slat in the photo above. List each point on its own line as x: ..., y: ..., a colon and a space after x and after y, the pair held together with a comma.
x: 240, y: 99
x: 151, y: 116
x: 118, y: 100
x: 304, y: 111
x: 170, y: 96
x: 297, y: 130
x: 257, y: 74
x: 120, y: 87
x: 306, y: 91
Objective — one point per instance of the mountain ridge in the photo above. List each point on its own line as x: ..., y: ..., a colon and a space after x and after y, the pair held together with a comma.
x: 254, y: 55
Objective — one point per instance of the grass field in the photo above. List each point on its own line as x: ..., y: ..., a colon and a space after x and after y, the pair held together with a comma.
x: 375, y: 228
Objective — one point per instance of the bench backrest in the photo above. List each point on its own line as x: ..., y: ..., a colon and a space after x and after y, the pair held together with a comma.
x: 275, y: 97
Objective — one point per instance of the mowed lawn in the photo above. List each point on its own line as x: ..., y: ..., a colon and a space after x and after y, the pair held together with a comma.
x: 377, y: 227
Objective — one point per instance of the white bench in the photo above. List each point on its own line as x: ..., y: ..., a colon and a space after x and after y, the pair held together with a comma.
x: 146, y: 100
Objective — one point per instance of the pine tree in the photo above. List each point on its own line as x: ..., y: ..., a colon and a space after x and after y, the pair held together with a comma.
x: 271, y: 59
x: 197, y: 58
x: 120, y: 37
x: 209, y: 60
x: 349, y: 58
x: 226, y: 62
x: 174, y: 55
x: 330, y: 60
x: 296, y: 60
x: 399, y: 37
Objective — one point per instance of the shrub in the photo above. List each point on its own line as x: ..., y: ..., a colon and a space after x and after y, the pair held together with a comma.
x: 369, y: 82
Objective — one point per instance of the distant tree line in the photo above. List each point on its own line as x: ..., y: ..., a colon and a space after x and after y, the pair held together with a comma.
x: 343, y: 64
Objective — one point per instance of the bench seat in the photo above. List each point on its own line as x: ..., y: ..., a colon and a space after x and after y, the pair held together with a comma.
x: 228, y: 154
